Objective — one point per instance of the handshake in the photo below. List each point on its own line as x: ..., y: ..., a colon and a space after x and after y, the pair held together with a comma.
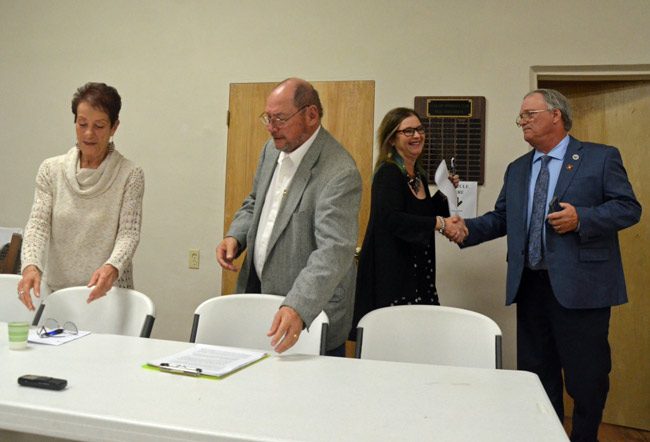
x: 455, y: 229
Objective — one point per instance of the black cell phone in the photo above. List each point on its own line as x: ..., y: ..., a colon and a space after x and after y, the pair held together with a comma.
x: 32, y: 380
x: 554, y: 205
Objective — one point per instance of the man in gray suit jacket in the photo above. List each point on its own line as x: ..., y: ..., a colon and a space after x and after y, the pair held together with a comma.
x: 300, y: 221
x: 564, y: 279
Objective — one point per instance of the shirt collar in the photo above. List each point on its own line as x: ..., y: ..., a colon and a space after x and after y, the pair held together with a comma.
x: 557, y: 152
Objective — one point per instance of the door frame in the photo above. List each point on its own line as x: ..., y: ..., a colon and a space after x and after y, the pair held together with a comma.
x: 627, y: 72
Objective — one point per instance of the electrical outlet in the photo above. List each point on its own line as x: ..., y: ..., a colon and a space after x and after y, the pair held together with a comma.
x: 194, y: 258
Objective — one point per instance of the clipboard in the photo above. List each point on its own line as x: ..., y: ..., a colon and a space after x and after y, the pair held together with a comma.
x: 207, y: 360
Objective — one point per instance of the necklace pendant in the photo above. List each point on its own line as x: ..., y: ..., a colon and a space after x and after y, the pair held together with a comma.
x: 414, y: 183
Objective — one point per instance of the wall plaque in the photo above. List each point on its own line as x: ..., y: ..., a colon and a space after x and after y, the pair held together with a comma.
x: 454, y: 128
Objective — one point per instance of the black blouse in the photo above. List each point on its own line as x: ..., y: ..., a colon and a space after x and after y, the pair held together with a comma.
x: 397, y: 261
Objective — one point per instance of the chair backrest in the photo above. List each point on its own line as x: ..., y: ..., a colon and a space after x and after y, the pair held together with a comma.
x: 120, y: 312
x: 242, y: 320
x: 9, y: 261
x: 7, y: 232
x: 11, y: 309
x: 431, y: 335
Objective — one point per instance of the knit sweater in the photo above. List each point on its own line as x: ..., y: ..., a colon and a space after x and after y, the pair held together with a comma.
x: 84, y: 218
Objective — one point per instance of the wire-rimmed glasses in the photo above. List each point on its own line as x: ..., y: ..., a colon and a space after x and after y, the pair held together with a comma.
x: 529, y: 115
x: 268, y: 120
x: 51, y: 328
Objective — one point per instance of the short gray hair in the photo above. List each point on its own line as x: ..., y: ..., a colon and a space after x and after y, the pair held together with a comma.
x: 555, y: 100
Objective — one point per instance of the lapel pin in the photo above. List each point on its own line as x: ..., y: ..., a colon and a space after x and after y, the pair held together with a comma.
x: 575, y: 157
x: 569, y: 167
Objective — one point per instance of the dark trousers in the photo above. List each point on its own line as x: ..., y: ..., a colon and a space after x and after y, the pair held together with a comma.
x: 552, y: 339
x: 253, y: 285
x: 338, y: 351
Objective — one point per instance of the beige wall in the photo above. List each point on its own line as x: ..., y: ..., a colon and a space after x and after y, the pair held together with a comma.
x: 172, y: 62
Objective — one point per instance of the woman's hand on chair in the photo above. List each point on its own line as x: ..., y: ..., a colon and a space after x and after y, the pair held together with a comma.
x: 102, y: 280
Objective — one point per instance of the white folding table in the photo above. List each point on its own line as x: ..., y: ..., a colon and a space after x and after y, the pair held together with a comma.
x: 110, y: 396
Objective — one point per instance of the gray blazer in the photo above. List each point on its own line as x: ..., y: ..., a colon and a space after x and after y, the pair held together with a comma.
x: 584, y: 267
x: 311, y: 249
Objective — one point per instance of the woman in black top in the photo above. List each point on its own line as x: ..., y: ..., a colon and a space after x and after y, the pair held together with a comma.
x: 397, y: 264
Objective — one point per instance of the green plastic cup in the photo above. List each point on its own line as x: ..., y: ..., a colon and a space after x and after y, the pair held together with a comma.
x: 18, y: 332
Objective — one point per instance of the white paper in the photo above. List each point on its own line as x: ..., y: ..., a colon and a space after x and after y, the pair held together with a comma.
x: 213, y: 360
x: 446, y: 186
x: 56, y: 339
x: 467, y: 192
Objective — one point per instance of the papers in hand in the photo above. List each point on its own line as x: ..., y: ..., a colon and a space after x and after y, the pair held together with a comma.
x: 446, y: 186
x: 208, y: 360
x: 59, y: 339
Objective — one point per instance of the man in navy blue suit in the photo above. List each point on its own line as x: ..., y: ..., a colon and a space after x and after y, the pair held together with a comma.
x: 564, y: 261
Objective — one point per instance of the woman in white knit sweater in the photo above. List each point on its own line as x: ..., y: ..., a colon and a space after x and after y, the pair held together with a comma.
x: 84, y: 225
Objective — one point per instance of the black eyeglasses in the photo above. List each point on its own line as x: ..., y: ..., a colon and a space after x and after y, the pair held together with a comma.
x: 51, y: 328
x: 410, y: 131
x: 268, y: 120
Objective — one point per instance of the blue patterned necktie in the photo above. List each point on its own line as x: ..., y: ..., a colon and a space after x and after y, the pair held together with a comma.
x: 537, y: 214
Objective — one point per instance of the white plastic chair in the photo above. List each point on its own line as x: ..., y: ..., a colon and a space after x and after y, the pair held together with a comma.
x: 431, y: 335
x: 120, y: 312
x: 242, y: 320
x: 11, y: 309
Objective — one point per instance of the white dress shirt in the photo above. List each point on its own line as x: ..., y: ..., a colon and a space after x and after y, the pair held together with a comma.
x: 282, y: 176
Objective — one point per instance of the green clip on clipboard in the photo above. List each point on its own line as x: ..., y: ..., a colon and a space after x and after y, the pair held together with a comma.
x: 207, y: 360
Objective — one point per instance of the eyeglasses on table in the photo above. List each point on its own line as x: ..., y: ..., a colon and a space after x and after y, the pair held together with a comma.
x: 52, y: 329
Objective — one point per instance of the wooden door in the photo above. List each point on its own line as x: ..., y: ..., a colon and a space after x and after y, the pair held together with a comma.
x: 618, y: 113
x: 348, y: 116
